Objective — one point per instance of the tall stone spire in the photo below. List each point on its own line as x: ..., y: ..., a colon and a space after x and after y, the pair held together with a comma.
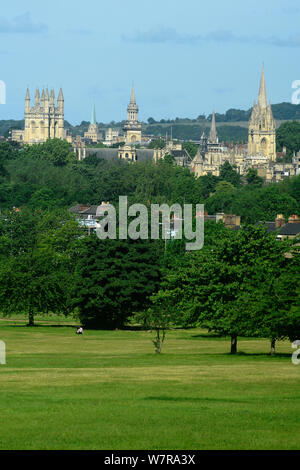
x: 262, y: 95
x: 213, y: 138
x: 132, y: 109
x: 132, y: 100
x: 93, y: 120
x: 261, y: 134
x: 132, y: 127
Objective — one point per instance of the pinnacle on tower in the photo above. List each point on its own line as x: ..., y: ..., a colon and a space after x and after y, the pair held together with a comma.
x: 27, y: 101
x: 52, y: 96
x: 43, y: 98
x: 213, y: 138
x: 262, y: 95
x: 37, y: 98
x: 60, y: 96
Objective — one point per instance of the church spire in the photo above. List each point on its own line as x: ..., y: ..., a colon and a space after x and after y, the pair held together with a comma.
x: 213, y: 138
x: 132, y: 100
x: 132, y: 109
x: 93, y: 120
x: 262, y: 96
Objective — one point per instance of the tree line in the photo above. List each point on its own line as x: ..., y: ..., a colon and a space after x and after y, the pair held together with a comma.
x: 242, y: 283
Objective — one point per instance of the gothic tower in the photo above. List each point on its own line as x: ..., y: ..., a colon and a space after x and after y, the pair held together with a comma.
x: 261, y: 136
x: 44, y: 120
x: 132, y: 127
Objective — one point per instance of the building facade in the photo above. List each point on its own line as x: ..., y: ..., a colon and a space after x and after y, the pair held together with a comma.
x: 45, y: 119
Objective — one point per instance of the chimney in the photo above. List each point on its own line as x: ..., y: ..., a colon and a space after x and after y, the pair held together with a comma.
x: 279, y: 221
x: 294, y: 219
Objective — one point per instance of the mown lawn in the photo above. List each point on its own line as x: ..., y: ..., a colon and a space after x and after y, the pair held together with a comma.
x: 108, y: 390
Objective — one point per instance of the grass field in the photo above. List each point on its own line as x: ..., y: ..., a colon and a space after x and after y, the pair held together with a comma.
x: 108, y: 390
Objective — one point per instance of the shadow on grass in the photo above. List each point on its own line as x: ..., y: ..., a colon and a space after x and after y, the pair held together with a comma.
x: 207, y: 336
x: 196, y: 399
x: 250, y: 354
x: 38, y: 325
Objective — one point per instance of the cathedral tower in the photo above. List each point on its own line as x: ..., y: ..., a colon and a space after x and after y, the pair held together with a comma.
x: 132, y: 127
x: 44, y: 120
x: 261, y: 136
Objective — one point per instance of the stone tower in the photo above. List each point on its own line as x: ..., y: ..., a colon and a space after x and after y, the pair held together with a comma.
x: 44, y: 120
x: 132, y: 127
x: 261, y: 137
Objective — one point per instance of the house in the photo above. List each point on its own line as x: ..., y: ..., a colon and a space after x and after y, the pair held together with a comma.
x: 87, y: 215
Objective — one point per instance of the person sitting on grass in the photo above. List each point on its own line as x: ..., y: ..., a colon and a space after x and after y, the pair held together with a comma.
x: 79, y: 331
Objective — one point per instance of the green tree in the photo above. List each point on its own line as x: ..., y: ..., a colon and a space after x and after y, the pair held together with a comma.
x: 228, y: 173
x: 37, y: 259
x: 114, y: 279
x: 59, y: 152
x: 159, y: 318
x: 33, y: 283
x: 224, y: 187
x: 157, y: 144
x: 191, y: 148
x: 253, y: 179
x: 288, y: 135
x: 219, y: 286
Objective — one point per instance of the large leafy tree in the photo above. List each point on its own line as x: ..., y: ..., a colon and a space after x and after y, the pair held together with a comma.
x: 37, y: 257
x: 276, y: 299
x: 114, y: 279
x: 59, y: 152
x: 33, y: 283
x: 229, y: 286
x: 229, y: 173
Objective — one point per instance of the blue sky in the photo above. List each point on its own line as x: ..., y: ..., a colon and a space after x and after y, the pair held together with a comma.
x: 185, y: 57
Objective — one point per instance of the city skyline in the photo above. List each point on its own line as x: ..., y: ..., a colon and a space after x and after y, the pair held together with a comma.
x: 185, y: 60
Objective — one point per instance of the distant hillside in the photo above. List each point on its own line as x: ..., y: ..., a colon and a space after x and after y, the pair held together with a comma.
x: 231, y: 125
x: 281, y: 111
x: 6, y: 126
x: 194, y: 131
